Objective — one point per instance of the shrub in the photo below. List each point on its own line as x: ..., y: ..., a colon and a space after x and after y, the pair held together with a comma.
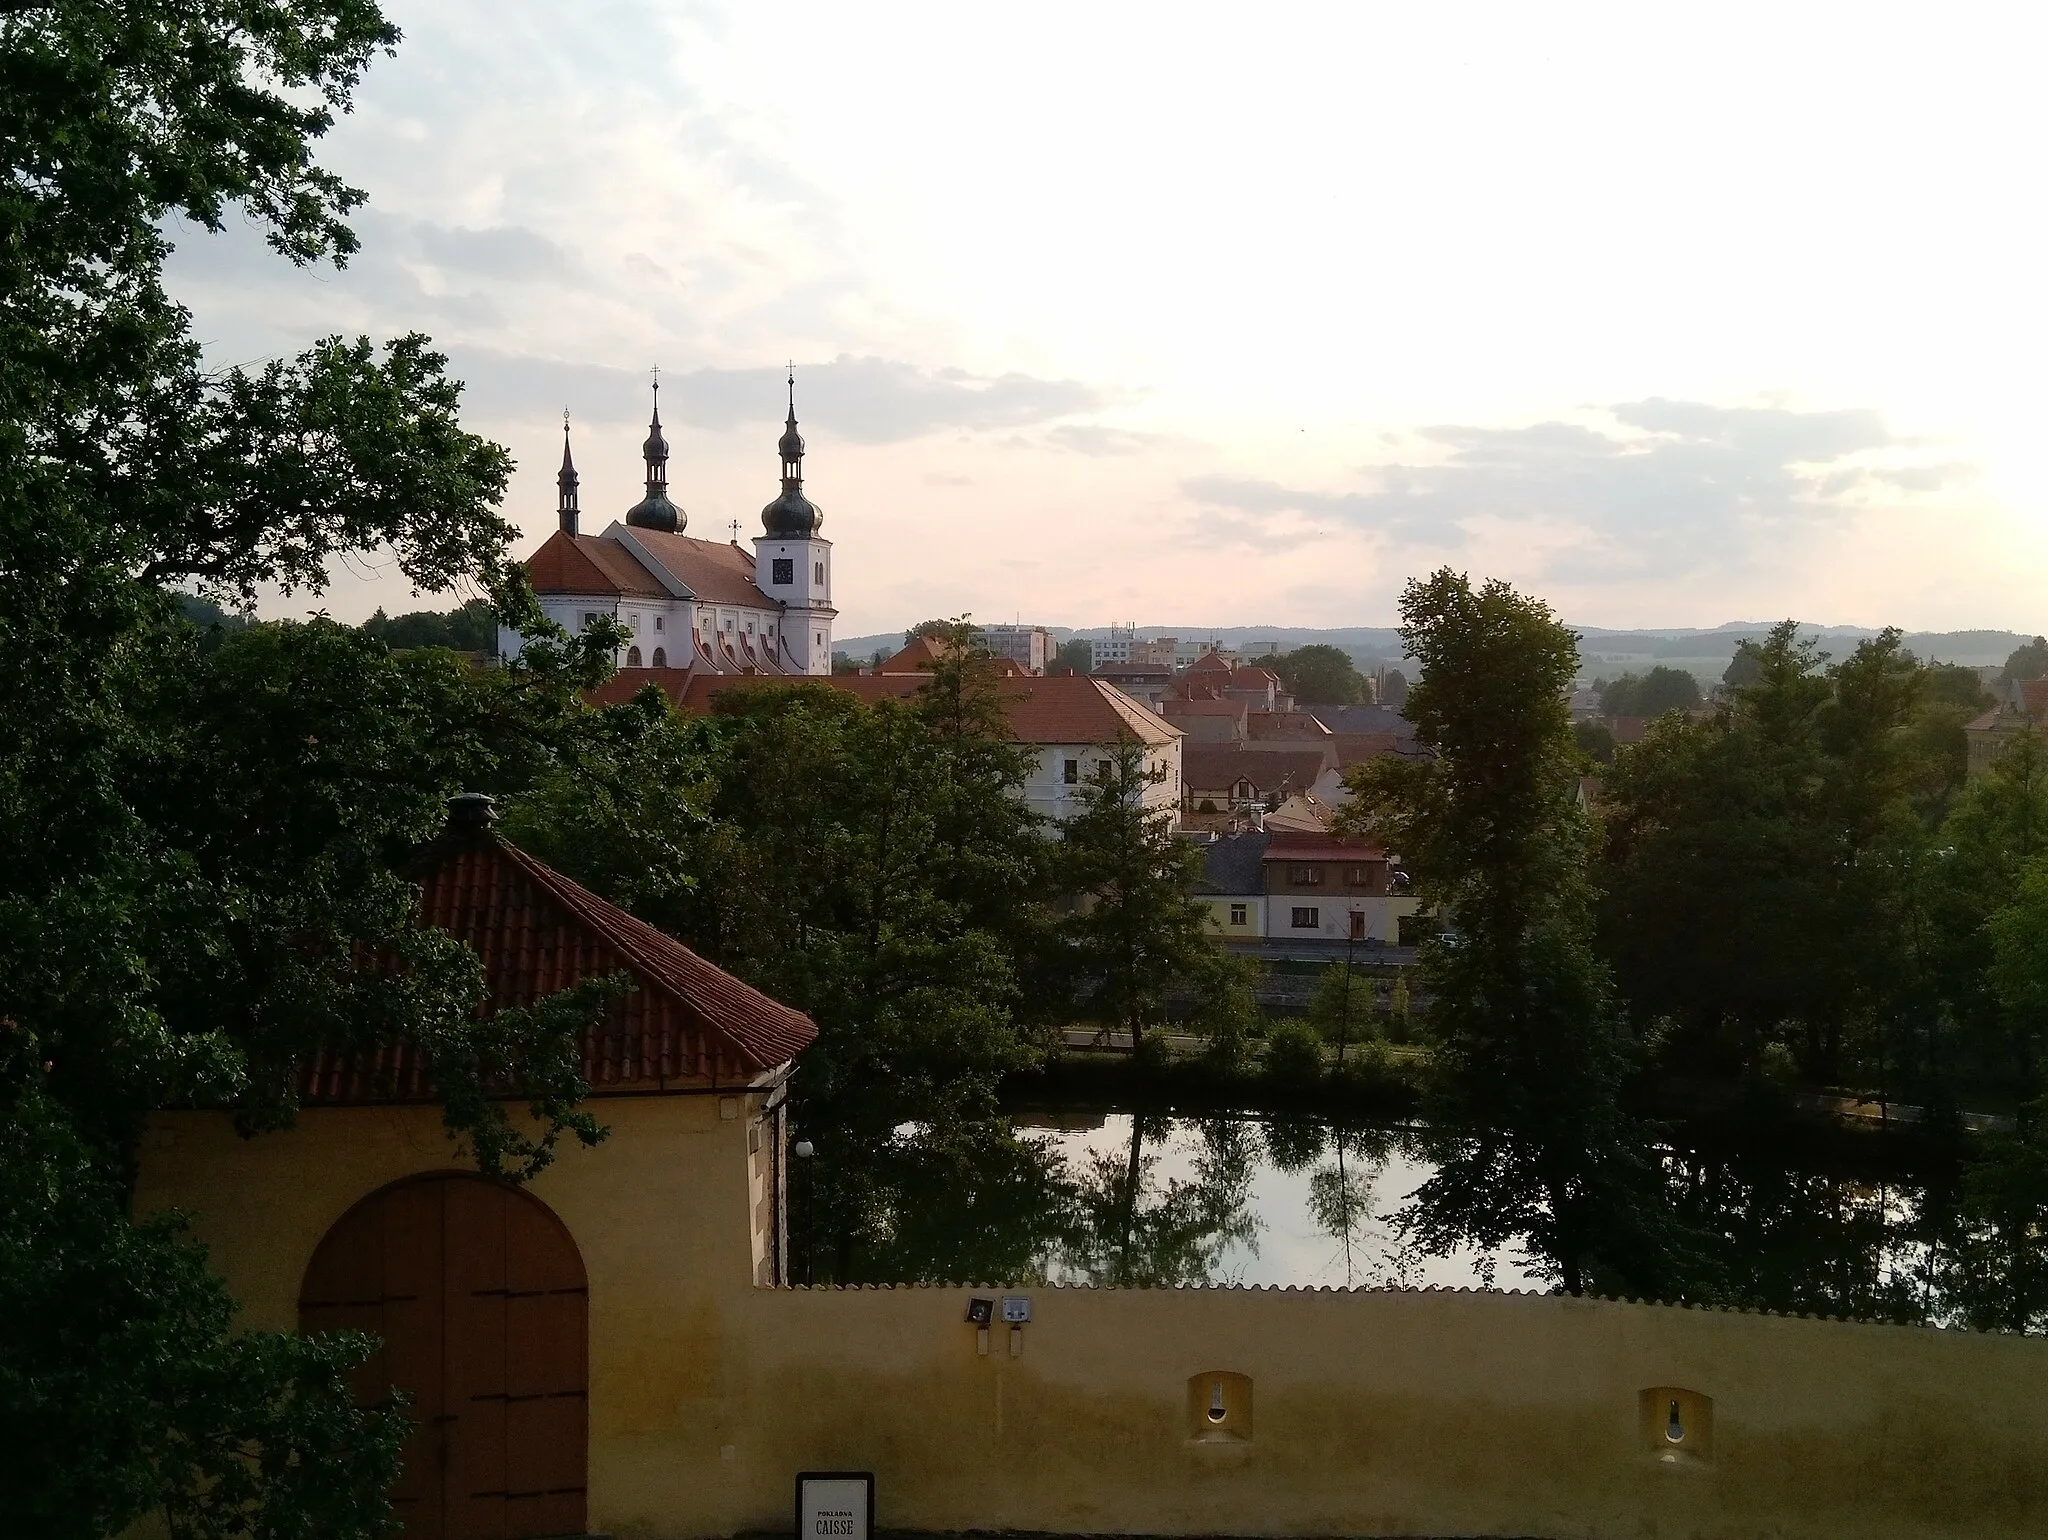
x: 1294, y: 1055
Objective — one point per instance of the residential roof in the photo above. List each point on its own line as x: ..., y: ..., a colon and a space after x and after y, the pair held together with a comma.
x: 1251, y: 676
x: 589, y: 564
x: 2033, y: 694
x: 1204, y: 707
x: 1134, y: 670
x: 918, y: 656
x: 1353, y: 748
x: 713, y: 570
x: 1218, y: 766
x: 1307, y: 845
x: 1049, y: 708
x: 1628, y: 730
x: 1285, y: 724
x: 1230, y: 862
x: 1208, y: 663
x: 682, y: 1024
x: 1363, y: 719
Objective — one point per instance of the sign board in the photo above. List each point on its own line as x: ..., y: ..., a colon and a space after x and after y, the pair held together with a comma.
x: 835, y: 1505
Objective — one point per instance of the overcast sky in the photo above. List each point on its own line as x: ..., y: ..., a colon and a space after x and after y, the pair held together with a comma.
x: 1236, y: 314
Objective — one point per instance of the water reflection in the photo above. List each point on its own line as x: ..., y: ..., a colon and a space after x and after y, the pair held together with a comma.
x: 1147, y: 1199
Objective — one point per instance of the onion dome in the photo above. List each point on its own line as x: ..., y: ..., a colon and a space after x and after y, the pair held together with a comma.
x: 792, y: 516
x: 655, y: 511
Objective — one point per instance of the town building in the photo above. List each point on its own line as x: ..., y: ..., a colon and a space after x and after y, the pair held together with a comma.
x: 1151, y: 683
x: 1232, y: 886
x: 1322, y: 886
x: 1029, y: 647
x: 1069, y: 723
x: 2023, y: 709
x: 699, y: 606
x: 1117, y: 646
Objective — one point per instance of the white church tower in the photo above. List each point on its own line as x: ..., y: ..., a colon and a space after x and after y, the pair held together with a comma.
x: 793, y: 562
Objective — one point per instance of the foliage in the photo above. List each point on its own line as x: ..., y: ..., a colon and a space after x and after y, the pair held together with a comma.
x: 1595, y: 740
x: 1662, y: 689
x: 1532, y: 1059
x: 1076, y: 653
x: 203, y: 832
x: 1137, y: 928
x: 1342, y: 1007
x: 960, y: 631
x: 1294, y: 1055
x: 2029, y: 660
x: 1393, y: 689
x: 1322, y: 674
x: 122, y: 1390
x: 1132, y: 1230
x: 473, y: 627
x: 1227, y: 1019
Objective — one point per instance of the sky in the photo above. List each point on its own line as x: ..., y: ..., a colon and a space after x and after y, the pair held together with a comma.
x: 1232, y: 315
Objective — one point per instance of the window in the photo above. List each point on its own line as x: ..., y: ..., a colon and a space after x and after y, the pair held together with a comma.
x: 728, y: 622
x: 1358, y: 876
x: 1305, y: 876
x: 589, y: 619
x: 657, y: 622
x: 818, y: 573
x: 636, y: 620
x: 1239, y: 913
x: 1073, y: 776
x: 632, y: 657
x: 750, y: 627
x: 785, y: 570
x: 661, y: 657
x: 1308, y: 919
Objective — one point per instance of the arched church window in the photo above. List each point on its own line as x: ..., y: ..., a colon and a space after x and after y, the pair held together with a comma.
x: 661, y: 657
x: 632, y: 657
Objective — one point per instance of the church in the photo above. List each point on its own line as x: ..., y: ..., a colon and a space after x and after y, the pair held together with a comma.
x: 703, y: 606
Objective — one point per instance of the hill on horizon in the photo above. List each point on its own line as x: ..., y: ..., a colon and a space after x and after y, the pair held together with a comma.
x: 1702, y: 650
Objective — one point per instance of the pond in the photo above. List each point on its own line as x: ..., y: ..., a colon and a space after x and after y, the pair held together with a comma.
x: 1150, y: 1199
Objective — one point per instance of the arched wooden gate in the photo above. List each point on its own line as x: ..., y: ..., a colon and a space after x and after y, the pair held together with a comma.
x: 479, y: 1296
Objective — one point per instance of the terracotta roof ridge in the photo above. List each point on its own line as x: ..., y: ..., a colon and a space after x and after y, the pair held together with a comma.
x: 641, y: 945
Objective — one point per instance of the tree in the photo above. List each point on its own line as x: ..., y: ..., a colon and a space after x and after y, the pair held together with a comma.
x: 1533, y: 1060
x: 960, y: 631
x: 2029, y: 660
x: 1076, y: 653
x: 1137, y: 927
x: 1320, y: 673
x: 1595, y: 740
x: 202, y: 834
x: 471, y: 628
x: 1662, y: 689
x: 1393, y: 689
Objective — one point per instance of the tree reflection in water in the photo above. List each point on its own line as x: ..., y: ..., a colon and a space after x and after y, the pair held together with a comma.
x: 1150, y: 1200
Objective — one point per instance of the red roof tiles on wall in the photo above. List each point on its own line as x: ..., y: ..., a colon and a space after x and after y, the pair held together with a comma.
x: 682, y: 1024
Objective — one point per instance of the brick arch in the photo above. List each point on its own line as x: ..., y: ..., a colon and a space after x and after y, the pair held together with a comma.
x: 479, y: 1296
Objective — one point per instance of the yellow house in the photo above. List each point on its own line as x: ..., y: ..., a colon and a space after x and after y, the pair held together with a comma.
x: 612, y: 1349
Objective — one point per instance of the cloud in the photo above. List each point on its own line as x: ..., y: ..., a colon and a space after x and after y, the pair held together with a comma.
x: 861, y: 400
x: 1090, y: 439
x: 1661, y: 486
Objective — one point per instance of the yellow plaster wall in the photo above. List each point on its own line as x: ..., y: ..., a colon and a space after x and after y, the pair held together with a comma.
x: 1376, y: 1413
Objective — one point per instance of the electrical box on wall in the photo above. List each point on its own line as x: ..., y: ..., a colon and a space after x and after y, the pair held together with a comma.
x: 1220, y: 1408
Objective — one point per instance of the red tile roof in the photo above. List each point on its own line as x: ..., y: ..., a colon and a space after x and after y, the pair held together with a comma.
x: 1352, y: 748
x: 1287, y: 724
x: 1209, y: 663
x: 1051, y: 708
x: 1218, y: 766
x: 918, y: 656
x: 684, y: 1024
x: 587, y: 564
x: 1301, y: 845
x: 713, y: 570
x: 1203, y: 707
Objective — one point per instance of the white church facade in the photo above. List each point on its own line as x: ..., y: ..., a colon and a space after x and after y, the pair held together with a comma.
x: 704, y: 607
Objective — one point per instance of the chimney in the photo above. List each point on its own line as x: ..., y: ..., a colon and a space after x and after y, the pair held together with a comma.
x: 471, y: 814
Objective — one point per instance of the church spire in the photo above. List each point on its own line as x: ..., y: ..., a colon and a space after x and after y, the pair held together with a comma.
x: 792, y: 515
x: 655, y: 511
x: 565, y: 483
